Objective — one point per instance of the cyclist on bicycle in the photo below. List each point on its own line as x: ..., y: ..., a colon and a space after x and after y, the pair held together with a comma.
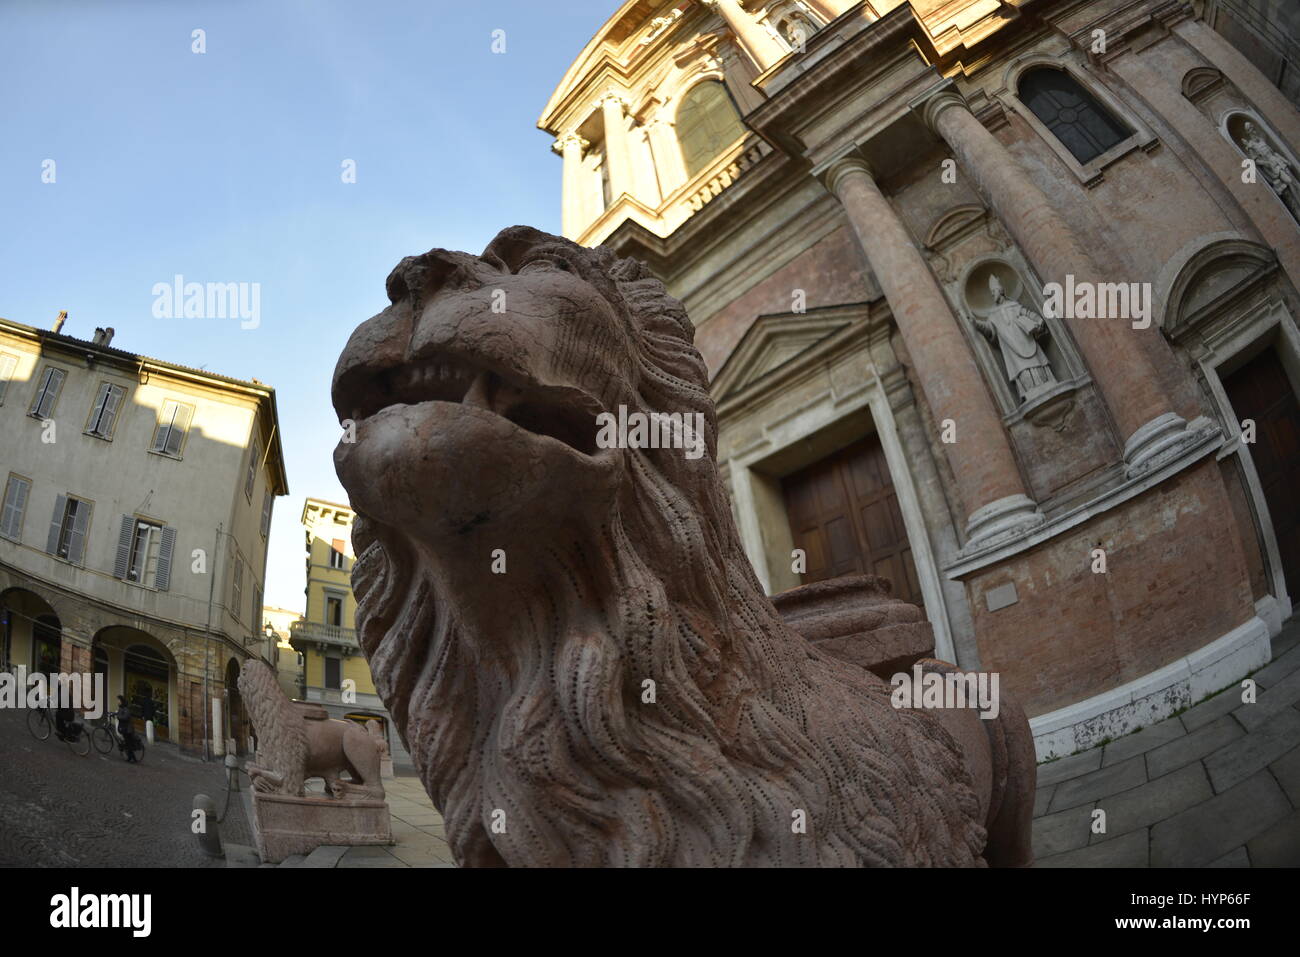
x: 124, y: 727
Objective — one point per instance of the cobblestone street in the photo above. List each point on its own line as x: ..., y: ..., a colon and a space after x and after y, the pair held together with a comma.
x: 58, y: 809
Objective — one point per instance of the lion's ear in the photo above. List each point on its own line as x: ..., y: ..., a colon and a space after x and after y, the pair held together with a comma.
x: 629, y: 270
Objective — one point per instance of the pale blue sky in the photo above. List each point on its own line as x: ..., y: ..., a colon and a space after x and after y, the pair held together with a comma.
x: 225, y: 167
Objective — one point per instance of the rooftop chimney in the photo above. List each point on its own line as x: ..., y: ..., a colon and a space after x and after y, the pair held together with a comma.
x: 108, y: 336
x: 63, y: 317
x: 98, y: 338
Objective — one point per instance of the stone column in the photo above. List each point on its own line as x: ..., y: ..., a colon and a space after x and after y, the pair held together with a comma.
x: 983, y: 464
x: 570, y: 146
x: 1116, y: 357
x: 617, y: 156
x: 667, y: 154
x: 763, y: 48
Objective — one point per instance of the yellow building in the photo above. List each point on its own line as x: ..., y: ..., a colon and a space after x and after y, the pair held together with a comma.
x: 277, y: 624
x: 335, y: 673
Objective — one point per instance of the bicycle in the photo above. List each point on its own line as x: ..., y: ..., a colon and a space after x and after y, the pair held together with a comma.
x: 75, y: 735
x: 105, y: 737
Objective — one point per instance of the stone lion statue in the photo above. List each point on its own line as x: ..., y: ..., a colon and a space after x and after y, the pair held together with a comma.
x: 296, y: 742
x: 570, y: 639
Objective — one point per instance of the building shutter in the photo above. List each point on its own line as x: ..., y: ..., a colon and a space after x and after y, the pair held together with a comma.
x: 7, y: 364
x: 77, y: 540
x: 14, y: 506
x: 56, y: 524
x: 266, y: 513
x: 112, y: 399
x: 163, y: 577
x: 124, y: 535
x: 176, y: 434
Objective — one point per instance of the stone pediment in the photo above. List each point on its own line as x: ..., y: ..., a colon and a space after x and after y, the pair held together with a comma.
x: 772, y: 342
x: 1211, y: 279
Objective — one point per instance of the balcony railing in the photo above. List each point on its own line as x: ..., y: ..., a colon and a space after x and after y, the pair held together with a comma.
x: 320, y: 635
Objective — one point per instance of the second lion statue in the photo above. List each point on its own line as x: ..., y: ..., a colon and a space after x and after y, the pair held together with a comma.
x: 570, y: 638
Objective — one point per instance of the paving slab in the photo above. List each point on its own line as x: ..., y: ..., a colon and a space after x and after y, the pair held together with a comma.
x: 1271, y: 701
x: 326, y: 856
x: 1042, y: 798
x: 1127, y: 851
x: 1139, y: 742
x: 1286, y: 770
x: 1237, y: 857
x: 1072, y: 766
x: 1154, y: 801
x: 1100, y: 784
x: 1193, y: 747
x: 1205, y: 833
x: 1229, y: 766
x: 1065, y: 831
x: 1198, y: 716
x: 1282, y: 665
x: 1279, y: 846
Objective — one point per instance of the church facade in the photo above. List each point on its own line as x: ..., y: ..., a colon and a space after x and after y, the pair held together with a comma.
x: 999, y: 302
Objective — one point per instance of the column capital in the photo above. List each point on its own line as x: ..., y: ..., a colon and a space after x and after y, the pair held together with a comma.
x: 612, y: 96
x: 570, y: 138
x: 939, y: 102
x: 833, y: 171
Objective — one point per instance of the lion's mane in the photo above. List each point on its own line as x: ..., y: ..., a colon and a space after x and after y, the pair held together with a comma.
x: 281, y: 729
x: 752, y: 728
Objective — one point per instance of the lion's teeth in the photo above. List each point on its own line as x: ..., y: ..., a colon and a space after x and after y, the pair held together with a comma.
x: 480, y: 391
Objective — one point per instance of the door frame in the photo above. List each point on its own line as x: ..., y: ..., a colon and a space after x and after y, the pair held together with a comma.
x: 1269, y: 328
x: 763, y: 522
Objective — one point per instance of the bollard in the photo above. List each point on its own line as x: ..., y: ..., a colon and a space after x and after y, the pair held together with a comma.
x: 148, y: 732
x: 205, y: 826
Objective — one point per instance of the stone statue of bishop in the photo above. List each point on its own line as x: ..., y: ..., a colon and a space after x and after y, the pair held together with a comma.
x: 1015, y: 331
x: 1277, y: 171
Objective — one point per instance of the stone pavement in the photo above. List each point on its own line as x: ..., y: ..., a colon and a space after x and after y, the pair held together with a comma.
x: 60, y: 809
x: 1215, y: 786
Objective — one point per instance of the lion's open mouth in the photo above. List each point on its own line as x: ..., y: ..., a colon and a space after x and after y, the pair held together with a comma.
x: 566, y: 415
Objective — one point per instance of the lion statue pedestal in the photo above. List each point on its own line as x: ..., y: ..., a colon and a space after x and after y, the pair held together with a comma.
x: 567, y: 632
x: 298, y: 741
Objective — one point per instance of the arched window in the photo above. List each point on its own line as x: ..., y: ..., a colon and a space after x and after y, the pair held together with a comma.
x: 707, y: 123
x: 1074, y: 116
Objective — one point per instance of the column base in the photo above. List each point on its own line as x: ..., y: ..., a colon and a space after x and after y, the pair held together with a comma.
x: 1161, y: 440
x: 999, y: 520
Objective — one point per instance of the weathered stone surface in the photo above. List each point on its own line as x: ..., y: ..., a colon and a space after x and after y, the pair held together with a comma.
x: 1284, y: 664
x: 1192, y: 747
x: 477, y: 398
x: 1206, y: 832
x: 1198, y: 716
x: 1279, y: 846
x: 1154, y: 801
x: 1062, y: 831
x: 1142, y: 741
x: 287, y: 826
x: 1286, y: 770
x: 1272, y: 700
x: 1265, y: 744
x: 1043, y: 799
x: 1107, y: 781
x: 1127, y: 851
x: 1237, y: 857
x: 1071, y: 766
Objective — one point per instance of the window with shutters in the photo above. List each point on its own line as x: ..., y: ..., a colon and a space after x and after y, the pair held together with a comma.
x: 173, y: 424
x: 15, y: 506
x: 142, y: 558
x: 254, y: 460
x: 266, y: 512
x: 69, y: 528
x: 1073, y: 115
x: 47, y: 393
x: 337, y: 553
x: 103, y: 414
x: 237, y: 588
x: 707, y: 123
x: 7, y: 365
